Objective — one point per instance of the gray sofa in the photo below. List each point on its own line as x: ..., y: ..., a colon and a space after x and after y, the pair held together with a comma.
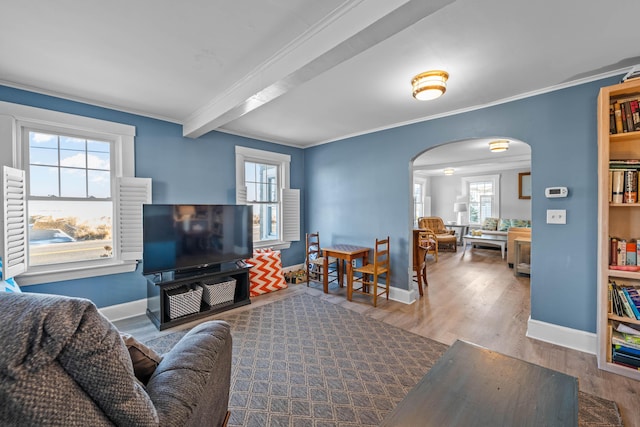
x: 64, y: 364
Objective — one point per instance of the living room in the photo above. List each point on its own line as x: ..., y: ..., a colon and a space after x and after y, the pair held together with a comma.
x: 344, y: 181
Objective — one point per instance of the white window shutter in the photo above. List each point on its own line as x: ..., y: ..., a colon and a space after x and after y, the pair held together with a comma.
x: 132, y: 194
x: 290, y: 215
x: 14, y: 215
x: 241, y: 195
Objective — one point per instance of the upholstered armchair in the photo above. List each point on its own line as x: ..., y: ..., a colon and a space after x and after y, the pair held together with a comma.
x: 446, y: 238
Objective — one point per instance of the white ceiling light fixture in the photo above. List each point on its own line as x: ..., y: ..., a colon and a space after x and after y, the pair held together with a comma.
x: 499, y: 145
x: 448, y: 171
x: 429, y: 85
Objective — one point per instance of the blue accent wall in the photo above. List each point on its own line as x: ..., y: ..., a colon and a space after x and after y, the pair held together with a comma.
x: 183, y: 170
x: 360, y: 188
x: 357, y: 189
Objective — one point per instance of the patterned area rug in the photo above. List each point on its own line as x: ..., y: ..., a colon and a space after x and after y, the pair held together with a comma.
x: 302, y: 361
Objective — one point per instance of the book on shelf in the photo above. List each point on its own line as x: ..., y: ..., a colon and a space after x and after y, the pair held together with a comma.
x: 618, y: 338
x: 624, y: 164
x: 625, y: 358
x: 632, y: 254
x: 629, y: 329
x: 613, y: 251
x: 617, y: 185
x: 634, y: 294
x: 614, y: 298
x: 623, y: 109
x: 630, y: 186
x: 625, y: 349
x: 624, y: 114
x: 628, y: 312
x: 622, y: 252
x: 618, y: 117
x: 635, y: 114
x: 635, y: 313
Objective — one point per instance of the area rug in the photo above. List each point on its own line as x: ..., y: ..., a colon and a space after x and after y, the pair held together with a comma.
x: 302, y: 361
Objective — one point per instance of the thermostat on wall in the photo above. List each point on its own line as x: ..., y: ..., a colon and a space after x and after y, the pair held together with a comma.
x: 552, y: 192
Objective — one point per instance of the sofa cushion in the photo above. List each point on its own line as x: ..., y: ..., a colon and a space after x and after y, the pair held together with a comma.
x: 521, y: 223
x: 490, y: 224
x: 144, y: 360
x: 504, y: 224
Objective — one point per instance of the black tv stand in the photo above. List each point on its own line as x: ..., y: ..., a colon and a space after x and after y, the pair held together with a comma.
x: 158, y: 285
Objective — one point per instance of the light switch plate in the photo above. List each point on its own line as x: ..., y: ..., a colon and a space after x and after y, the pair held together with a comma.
x: 556, y: 216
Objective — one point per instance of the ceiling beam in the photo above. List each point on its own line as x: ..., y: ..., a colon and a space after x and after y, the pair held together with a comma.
x: 347, y: 32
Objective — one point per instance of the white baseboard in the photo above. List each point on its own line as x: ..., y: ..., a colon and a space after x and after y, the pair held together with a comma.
x: 125, y: 310
x: 402, y: 295
x: 139, y: 307
x: 560, y: 335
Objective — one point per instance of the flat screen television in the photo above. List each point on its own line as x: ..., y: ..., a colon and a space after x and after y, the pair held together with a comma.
x: 189, y: 238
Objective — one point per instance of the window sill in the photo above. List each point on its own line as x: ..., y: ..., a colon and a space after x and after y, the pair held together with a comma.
x: 58, y: 275
x: 275, y: 244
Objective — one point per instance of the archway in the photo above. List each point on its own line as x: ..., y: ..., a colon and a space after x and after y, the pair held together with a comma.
x: 438, y: 194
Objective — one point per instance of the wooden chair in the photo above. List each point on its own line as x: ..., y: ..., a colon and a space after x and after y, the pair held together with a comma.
x: 447, y: 239
x: 314, y: 260
x: 423, y: 242
x: 369, y: 273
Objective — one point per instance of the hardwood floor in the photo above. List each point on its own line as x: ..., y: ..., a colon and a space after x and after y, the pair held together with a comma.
x: 474, y: 298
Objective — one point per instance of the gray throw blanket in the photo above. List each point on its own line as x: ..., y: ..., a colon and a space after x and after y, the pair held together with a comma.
x: 63, y: 363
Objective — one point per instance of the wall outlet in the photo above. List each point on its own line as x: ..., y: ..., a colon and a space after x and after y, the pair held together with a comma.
x: 353, y: 263
x: 556, y: 216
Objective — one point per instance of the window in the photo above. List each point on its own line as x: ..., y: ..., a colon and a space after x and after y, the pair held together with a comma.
x: 418, y: 200
x: 69, y: 201
x: 262, y: 181
x: 83, y: 205
x: 484, y: 197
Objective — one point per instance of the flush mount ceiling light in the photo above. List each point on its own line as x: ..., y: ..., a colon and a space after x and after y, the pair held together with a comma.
x: 499, y: 145
x: 429, y: 85
x: 448, y: 171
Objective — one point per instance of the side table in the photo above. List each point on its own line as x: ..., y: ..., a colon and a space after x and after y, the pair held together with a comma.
x: 521, y: 263
x: 460, y: 229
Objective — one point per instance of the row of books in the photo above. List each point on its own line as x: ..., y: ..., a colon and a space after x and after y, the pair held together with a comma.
x: 625, y: 346
x: 623, y: 252
x: 624, y: 301
x: 623, y: 182
x: 624, y: 115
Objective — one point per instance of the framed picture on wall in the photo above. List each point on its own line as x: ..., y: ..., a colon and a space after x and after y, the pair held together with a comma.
x: 524, y: 185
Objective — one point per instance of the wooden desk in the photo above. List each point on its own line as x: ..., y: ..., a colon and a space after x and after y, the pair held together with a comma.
x: 473, y: 386
x: 346, y: 253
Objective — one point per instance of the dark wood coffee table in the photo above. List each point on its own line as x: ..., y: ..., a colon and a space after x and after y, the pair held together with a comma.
x: 473, y: 386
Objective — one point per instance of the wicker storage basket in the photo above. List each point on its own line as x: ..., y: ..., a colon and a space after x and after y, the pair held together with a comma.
x: 219, y: 294
x: 183, y: 300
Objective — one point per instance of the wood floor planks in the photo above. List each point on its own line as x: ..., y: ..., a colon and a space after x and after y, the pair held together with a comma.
x: 475, y: 298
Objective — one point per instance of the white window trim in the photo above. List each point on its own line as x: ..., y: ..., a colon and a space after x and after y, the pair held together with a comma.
x: 260, y: 156
x: 495, y: 206
x: 423, y: 196
x: 122, y: 136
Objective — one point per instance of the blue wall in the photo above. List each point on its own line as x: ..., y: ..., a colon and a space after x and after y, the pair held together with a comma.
x: 183, y: 171
x: 360, y: 189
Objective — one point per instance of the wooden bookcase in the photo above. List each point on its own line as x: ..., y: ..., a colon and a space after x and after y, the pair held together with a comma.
x: 614, y: 220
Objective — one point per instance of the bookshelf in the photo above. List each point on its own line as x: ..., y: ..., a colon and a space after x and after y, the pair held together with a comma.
x: 615, y: 218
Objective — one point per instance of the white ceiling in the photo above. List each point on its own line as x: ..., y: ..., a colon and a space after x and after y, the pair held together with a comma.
x: 307, y: 72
